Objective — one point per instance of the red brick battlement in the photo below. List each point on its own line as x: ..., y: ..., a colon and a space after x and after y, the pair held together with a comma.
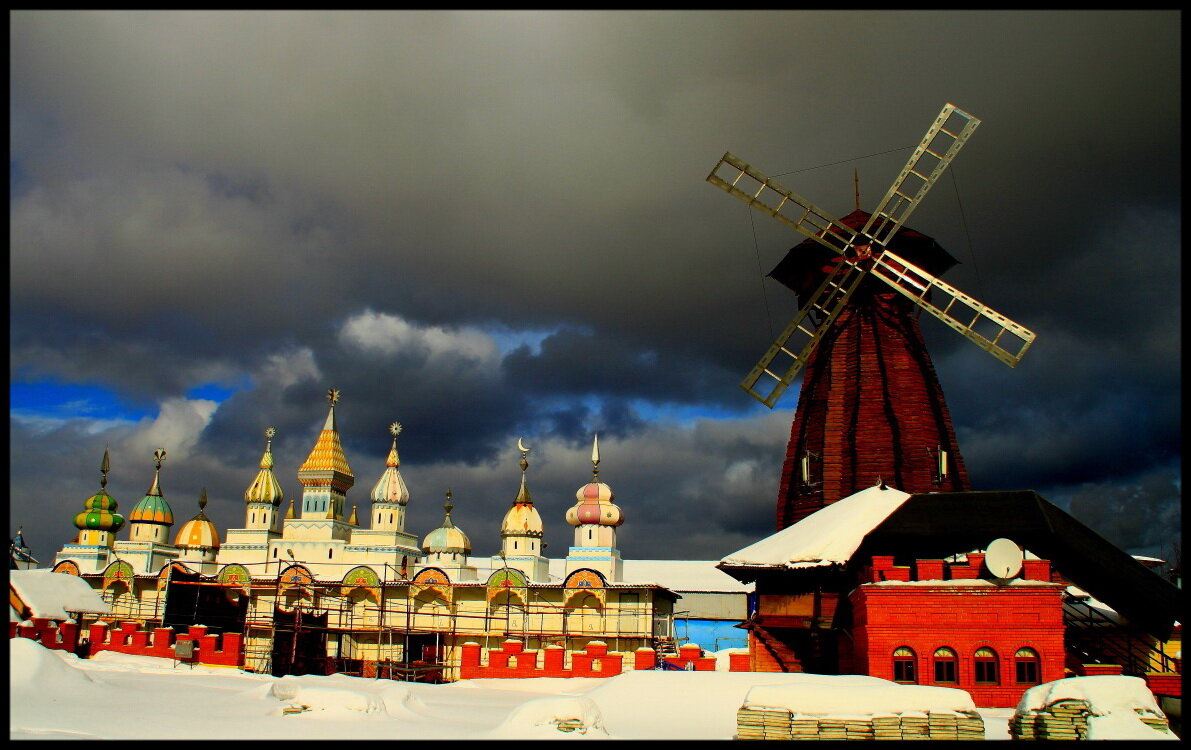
x: 128, y: 638
x: 512, y: 660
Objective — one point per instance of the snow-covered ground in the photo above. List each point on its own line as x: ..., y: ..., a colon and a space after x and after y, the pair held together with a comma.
x: 55, y: 695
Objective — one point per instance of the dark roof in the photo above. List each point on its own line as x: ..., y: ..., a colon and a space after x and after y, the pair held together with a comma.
x: 944, y: 523
x: 805, y: 265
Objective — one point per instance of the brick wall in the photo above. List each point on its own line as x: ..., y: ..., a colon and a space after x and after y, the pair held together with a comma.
x: 925, y: 617
x: 128, y: 638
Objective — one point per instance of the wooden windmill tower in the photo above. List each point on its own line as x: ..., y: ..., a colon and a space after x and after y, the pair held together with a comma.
x: 871, y: 407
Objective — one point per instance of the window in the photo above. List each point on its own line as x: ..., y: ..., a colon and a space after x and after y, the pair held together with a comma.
x: 1025, y: 664
x: 945, y: 662
x: 329, y: 553
x: 903, y: 665
x: 274, y: 552
x: 986, y: 666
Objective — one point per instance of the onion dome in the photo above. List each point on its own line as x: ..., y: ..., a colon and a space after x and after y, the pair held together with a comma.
x: 153, y: 508
x: 100, y: 509
x: 595, y: 499
x: 522, y: 519
x: 199, y: 532
x: 448, y: 537
x: 390, y: 488
x: 265, y: 488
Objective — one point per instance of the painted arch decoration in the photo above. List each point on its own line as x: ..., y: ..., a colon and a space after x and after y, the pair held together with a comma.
x: 361, y: 577
x: 585, y: 580
x: 295, y: 576
x: 168, y: 570
x: 69, y: 567
x: 507, y: 579
x: 431, y: 578
x: 118, y: 572
x: 234, y: 576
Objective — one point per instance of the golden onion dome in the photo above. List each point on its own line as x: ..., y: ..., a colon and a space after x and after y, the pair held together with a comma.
x: 265, y: 488
x: 448, y: 537
x: 199, y: 532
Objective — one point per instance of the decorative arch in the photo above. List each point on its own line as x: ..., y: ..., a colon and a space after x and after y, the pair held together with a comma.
x: 506, y: 579
x: 119, y: 571
x: 295, y: 576
x: 234, y: 577
x: 584, y: 581
x: 69, y: 567
x: 163, y: 577
x: 361, y: 577
x: 431, y: 578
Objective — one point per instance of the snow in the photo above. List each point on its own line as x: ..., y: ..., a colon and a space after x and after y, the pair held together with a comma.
x: 1115, y: 702
x: 829, y: 536
x: 53, y: 595
x: 835, y: 695
x: 54, y: 694
x: 676, y: 575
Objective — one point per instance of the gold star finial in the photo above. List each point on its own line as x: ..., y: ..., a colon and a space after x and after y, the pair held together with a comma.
x: 333, y: 395
x: 270, y: 432
x: 395, y: 429
x: 159, y: 456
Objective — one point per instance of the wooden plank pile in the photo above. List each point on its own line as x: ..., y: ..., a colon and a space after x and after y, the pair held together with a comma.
x: 1066, y: 719
x: 771, y: 723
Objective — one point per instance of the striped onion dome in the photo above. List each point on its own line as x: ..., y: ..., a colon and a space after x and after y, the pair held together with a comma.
x: 265, y: 488
x: 448, y: 537
x: 199, y: 532
x: 522, y: 519
x: 153, y: 508
x: 595, y: 500
x: 390, y: 488
x: 100, y: 508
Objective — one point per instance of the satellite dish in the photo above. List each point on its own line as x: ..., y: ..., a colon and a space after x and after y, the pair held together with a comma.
x: 1003, y: 558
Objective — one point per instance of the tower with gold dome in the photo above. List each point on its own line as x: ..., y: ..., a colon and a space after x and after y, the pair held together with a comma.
x: 148, y: 547
x: 198, y: 540
x: 521, y: 531
x: 595, y: 517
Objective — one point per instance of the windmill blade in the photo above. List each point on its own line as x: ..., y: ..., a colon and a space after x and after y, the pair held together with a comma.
x: 950, y: 131
x: 802, y: 334
x: 987, y: 328
x: 737, y: 178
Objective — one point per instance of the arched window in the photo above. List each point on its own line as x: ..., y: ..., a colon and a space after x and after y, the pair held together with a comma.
x: 329, y: 553
x: 390, y: 518
x: 274, y: 552
x: 945, y: 665
x: 903, y: 665
x: 1025, y: 666
x: 986, y: 666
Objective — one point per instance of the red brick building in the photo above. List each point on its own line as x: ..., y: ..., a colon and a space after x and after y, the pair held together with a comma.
x: 887, y: 584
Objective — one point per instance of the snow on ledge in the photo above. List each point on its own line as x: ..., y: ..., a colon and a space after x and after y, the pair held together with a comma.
x: 829, y: 536
x: 54, y: 595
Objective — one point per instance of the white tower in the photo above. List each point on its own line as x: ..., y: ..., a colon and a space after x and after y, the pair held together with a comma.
x: 595, y: 517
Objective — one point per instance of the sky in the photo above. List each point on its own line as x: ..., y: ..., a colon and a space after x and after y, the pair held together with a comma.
x: 493, y: 225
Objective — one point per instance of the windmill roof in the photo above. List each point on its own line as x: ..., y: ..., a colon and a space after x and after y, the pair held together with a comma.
x: 803, y: 267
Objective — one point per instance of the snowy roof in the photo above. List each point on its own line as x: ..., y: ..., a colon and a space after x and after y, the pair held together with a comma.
x: 55, y: 595
x: 676, y: 575
x: 829, y: 536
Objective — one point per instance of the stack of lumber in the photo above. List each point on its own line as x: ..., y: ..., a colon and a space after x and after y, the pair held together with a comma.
x: 1065, y: 719
x: 770, y: 723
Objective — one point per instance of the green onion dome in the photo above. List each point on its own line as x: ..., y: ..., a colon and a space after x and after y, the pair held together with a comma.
x: 153, y: 508
x: 99, y: 513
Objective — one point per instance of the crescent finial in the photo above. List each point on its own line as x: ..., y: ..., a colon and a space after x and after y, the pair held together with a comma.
x: 521, y: 445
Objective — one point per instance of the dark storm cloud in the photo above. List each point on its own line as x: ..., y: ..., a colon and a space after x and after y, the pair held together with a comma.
x: 304, y: 200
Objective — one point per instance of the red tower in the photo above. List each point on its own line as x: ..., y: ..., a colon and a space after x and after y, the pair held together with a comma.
x: 871, y: 407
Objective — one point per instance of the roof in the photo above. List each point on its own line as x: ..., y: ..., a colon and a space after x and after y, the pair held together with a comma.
x: 54, y: 595
x: 676, y: 575
x: 803, y: 267
x: 829, y: 536
x: 939, y: 524
x: 936, y: 524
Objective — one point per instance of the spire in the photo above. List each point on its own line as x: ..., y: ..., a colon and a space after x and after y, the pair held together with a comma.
x: 158, y: 458
x: 104, y: 468
x: 265, y: 488
x: 327, y: 454
x: 354, y: 520
x: 390, y: 488
x: 523, y: 493
x: 447, y: 506
x: 202, y: 505
x: 595, y: 459
x: 333, y: 397
x: 290, y: 513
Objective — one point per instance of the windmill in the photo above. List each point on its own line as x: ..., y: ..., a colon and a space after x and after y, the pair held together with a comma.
x: 871, y: 408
